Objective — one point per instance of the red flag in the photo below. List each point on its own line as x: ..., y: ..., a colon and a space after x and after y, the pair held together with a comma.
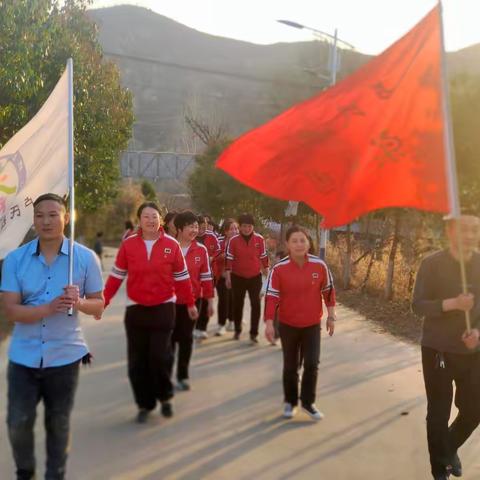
x: 373, y: 141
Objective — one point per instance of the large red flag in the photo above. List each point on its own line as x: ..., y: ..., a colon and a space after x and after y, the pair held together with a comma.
x: 375, y: 140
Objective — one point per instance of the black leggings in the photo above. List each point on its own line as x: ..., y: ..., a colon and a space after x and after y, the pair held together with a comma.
x: 225, y: 302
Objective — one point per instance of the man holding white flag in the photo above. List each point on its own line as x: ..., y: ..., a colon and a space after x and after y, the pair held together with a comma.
x: 45, y: 283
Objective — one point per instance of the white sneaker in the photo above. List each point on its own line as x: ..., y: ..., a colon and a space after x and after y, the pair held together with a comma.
x: 202, y: 334
x: 221, y: 331
x: 289, y: 411
x: 196, y: 333
x: 313, y: 412
x: 230, y: 326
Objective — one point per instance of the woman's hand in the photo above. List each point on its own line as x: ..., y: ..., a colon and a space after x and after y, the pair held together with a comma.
x: 330, y: 325
x: 269, y: 331
x: 193, y: 312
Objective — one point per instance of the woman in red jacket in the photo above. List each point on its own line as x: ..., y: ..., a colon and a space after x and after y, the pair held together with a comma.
x: 157, y: 277
x: 225, y: 300
x: 198, y: 265
x: 296, y: 285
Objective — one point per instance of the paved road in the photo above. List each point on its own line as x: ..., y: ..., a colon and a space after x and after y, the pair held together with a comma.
x: 229, y: 426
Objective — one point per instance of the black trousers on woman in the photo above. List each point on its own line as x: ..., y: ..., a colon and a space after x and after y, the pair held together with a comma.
x: 183, y: 337
x: 240, y: 286
x: 225, y: 302
x: 203, y: 318
x: 149, y: 347
x: 298, y: 341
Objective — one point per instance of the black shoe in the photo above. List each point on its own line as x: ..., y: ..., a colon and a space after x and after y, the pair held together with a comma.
x: 253, y: 339
x: 456, y: 466
x: 312, y: 411
x: 236, y: 336
x: 142, y: 415
x: 166, y: 409
x: 183, y: 385
x: 25, y: 475
x: 442, y: 476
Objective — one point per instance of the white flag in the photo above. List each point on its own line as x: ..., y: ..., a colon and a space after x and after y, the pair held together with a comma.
x: 33, y: 162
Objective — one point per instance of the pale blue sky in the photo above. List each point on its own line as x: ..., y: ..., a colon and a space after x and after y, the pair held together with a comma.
x: 371, y: 25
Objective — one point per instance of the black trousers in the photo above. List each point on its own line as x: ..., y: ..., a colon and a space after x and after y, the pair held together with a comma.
x: 464, y: 370
x: 297, y: 342
x: 240, y: 286
x: 56, y: 386
x: 149, y: 346
x: 183, y: 336
x: 203, y: 317
x: 225, y: 302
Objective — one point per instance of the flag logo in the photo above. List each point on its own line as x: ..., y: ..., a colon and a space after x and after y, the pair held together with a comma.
x: 13, y: 174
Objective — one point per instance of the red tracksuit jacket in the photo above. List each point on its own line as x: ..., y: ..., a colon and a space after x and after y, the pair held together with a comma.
x: 246, y: 259
x: 218, y: 263
x: 198, y: 265
x: 210, y: 240
x: 298, y: 291
x: 151, y: 281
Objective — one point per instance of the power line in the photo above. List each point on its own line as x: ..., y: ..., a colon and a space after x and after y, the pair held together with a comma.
x: 236, y: 75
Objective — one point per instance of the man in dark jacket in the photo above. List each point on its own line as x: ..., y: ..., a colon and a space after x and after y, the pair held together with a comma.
x: 450, y: 352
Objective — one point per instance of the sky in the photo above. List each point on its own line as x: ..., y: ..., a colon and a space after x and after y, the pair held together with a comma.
x: 370, y: 25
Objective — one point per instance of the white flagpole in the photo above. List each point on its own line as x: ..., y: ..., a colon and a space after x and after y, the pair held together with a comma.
x: 71, y: 174
x: 449, y: 143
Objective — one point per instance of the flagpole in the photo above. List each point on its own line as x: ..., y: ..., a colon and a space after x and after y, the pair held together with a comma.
x: 454, y: 198
x: 71, y: 174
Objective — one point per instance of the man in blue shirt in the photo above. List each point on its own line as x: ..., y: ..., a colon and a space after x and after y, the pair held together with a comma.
x: 47, y: 344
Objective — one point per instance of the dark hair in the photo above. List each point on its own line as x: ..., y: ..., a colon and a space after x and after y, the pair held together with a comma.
x: 201, y: 218
x: 50, y: 196
x: 246, y: 219
x: 297, y: 228
x: 185, y: 218
x: 227, y: 224
x: 99, y: 234
x: 128, y: 225
x: 147, y: 205
x: 169, y: 217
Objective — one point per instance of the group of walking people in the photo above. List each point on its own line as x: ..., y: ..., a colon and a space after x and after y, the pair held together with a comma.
x: 171, y: 272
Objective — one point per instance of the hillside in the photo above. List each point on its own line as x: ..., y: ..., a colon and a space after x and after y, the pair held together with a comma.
x: 170, y: 68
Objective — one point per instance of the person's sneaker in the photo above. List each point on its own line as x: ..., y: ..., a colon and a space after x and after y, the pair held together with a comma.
x: 312, y: 411
x: 236, y: 336
x: 183, y: 385
x: 202, y: 334
x: 253, y: 340
x: 142, y: 415
x: 166, y: 409
x: 230, y: 326
x: 196, y: 333
x: 221, y: 331
x: 441, y: 476
x: 289, y: 410
x: 456, y: 466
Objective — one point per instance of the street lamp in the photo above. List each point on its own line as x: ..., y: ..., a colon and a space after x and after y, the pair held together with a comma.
x: 333, y: 41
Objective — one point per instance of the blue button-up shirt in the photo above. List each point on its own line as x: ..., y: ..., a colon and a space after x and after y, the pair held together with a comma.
x: 55, y: 340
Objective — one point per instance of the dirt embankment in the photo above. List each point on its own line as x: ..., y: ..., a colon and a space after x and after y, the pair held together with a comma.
x: 394, y: 317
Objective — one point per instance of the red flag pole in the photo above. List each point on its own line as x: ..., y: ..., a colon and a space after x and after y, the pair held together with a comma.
x: 451, y: 169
